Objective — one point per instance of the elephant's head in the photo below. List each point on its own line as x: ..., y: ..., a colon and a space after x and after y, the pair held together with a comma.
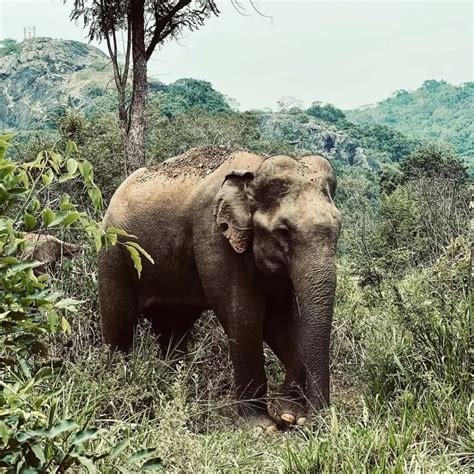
x: 285, y: 213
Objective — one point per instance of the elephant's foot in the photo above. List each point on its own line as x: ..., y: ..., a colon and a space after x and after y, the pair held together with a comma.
x: 257, y: 417
x: 261, y: 422
x: 291, y: 411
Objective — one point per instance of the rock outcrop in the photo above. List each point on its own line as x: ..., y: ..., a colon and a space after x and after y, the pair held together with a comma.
x: 47, y: 74
x: 314, y: 136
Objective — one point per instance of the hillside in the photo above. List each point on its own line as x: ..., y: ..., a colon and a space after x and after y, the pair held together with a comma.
x: 40, y: 76
x: 435, y: 111
x: 41, y: 79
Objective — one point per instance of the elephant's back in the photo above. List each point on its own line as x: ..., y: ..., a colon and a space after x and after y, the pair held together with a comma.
x: 174, y: 184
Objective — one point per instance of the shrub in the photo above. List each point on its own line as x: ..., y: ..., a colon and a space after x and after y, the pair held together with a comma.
x: 9, y: 47
x: 34, y: 436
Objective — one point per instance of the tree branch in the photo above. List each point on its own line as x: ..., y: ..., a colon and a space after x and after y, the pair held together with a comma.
x: 160, y: 24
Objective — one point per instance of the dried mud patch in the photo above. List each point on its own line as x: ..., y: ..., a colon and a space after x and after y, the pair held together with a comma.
x: 196, y: 161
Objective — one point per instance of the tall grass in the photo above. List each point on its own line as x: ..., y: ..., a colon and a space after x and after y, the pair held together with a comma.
x: 400, y: 384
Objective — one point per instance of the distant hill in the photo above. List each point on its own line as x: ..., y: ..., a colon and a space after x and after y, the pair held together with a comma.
x: 41, y: 75
x: 436, y: 111
x: 41, y: 78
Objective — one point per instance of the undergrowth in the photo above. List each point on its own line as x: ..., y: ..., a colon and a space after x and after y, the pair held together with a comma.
x: 400, y: 374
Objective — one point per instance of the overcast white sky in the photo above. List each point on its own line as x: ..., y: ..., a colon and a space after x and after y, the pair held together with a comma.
x: 347, y: 53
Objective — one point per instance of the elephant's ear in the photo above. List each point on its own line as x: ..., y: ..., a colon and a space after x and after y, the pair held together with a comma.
x: 232, y: 210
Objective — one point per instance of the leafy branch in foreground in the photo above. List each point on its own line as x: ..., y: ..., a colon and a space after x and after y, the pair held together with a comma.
x: 34, y: 437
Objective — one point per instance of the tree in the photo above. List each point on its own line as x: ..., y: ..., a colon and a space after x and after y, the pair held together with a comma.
x: 186, y: 94
x: 142, y: 25
x: 326, y: 112
x: 9, y: 47
x: 434, y: 161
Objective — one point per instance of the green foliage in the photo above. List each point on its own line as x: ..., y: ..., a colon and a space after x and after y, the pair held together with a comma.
x: 33, y: 435
x: 326, y: 112
x: 393, y: 145
x: 422, y: 207
x: 169, y: 137
x: 9, y: 47
x: 429, y: 354
x: 187, y: 94
x: 436, y: 111
x: 434, y: 161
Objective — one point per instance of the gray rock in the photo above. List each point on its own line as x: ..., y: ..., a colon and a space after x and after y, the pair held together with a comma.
x: 313, y: 136
x: 47, y: 74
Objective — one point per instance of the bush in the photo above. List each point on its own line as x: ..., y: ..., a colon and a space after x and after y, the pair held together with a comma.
x: 35, y: 435
x: 9, y: 47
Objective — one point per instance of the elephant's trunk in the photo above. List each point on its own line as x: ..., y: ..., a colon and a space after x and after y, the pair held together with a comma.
x: 314, y: 281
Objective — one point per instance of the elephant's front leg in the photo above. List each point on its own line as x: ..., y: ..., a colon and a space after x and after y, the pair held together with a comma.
x: 240, y: 307
x: 280, y: 334
x: 243, y: 323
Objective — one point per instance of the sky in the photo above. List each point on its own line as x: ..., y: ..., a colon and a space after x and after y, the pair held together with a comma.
x: 350, y: 53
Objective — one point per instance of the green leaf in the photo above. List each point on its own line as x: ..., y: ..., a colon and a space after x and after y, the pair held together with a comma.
x: 53, y: 320
x: 35, y: 205
x: 137, y: 261
x: 141, y: 455
x: 85, y: 435
x: 116, y: 230
x: 141, y: 250
x: 30, y: 221
x: 71, y: 217
x: 5, y: 432
x: 65, y: 326
x: 61, y: 427
x: 154, y: 464
x: 48, y: 216
x: 47, y: 178
x: 86, y: 169
x: 67, y: 303
x: 71, y: 166
x: 71, y: 147
x: 38, y: 452
x: 96, y: 197
x: 117, y: 449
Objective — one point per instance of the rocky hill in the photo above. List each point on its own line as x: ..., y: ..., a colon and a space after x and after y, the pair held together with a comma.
x: 40, y: 78
x: 41, y: 75
x: 315, y: 136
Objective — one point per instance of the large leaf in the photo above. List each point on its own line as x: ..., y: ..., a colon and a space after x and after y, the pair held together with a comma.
x: 61, y: 427
x: 154, y: 464
x: 85, y: 435
x: 137, y: 261
x: 141, y: 250
x: 48, y: 216
x: 141, y: 455
x: 30, y: 221
x: 117, y: 449
x: 71, y: 165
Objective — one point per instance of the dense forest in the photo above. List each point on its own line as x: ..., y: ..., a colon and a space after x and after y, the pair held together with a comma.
x: 401, y: 341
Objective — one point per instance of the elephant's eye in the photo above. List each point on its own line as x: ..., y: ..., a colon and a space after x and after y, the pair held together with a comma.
x: 283, y: 232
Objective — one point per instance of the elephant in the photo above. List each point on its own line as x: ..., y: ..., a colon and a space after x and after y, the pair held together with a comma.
x: 252, y: 238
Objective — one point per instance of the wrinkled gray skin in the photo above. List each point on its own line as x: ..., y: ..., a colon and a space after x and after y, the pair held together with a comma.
x: 253, y: 239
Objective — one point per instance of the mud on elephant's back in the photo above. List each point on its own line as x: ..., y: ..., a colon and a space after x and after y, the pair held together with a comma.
x: 198, y: 161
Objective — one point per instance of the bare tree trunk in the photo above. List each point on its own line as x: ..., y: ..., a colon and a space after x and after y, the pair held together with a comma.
x: 134, y: 138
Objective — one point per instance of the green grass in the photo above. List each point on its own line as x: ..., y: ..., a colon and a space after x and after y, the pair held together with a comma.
x: 400, y: 385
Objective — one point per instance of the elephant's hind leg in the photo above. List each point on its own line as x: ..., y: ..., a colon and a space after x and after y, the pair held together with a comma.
x: 118, y: 300
x: 172, y: 328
